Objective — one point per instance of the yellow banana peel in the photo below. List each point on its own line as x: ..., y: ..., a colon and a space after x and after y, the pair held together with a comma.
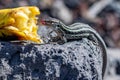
x: 19, y: 23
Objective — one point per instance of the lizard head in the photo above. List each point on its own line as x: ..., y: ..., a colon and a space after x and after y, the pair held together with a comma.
x: 51, y: 22
x: 55, y: 24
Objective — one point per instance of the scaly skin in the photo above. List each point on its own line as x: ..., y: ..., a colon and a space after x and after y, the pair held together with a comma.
x: 77, y: 31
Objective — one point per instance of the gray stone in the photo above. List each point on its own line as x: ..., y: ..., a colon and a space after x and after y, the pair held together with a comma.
x: 76, y: 60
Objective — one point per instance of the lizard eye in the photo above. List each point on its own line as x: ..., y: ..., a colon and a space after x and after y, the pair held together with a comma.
x: 56, y: 25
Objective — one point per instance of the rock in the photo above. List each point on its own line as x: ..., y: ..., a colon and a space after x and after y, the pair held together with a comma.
x: 113, y: 70
x: 76, y: 60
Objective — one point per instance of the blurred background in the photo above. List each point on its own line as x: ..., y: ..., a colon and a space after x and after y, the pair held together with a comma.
x: 102, y: 15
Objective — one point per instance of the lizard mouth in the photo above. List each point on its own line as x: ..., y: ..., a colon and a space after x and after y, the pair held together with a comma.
x: 49, y: 21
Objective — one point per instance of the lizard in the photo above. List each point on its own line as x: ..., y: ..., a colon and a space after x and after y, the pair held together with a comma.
x: 78, y: 31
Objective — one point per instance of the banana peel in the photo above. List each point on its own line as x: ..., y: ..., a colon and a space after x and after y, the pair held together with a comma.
x: 19, y: 24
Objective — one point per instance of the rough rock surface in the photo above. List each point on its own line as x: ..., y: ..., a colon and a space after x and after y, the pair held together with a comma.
x: 113, y: 70
x: 77, y: 60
